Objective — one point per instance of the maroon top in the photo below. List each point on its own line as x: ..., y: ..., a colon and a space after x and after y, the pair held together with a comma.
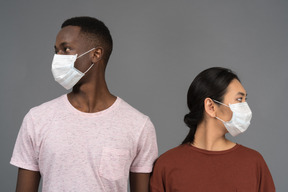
x: 187, y: 168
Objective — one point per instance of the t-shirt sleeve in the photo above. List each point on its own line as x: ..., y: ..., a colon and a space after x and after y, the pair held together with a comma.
x: 147, y: 150
x: 25, y: 150
x: 266, y: 183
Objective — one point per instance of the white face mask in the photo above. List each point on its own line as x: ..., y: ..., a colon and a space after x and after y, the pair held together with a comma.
x: 64, y: 71
x: 240, y: 120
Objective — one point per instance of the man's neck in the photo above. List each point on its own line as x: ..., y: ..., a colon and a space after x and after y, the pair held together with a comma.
x: 91, y: 98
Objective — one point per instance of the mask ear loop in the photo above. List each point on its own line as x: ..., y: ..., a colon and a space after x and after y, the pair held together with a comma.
x: 220, y: 119
x: 220, y: 103
x: 89, y: 68
x: 85, y: 53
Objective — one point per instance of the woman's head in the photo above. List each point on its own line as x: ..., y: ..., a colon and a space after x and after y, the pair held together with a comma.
x: 210, y: 83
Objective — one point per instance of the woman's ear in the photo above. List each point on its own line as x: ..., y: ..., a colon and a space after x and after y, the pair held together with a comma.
x: 97, y: 54
x: 210, y: 107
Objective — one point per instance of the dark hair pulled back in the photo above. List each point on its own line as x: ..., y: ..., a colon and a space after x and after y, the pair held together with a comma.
x: 210, y: 83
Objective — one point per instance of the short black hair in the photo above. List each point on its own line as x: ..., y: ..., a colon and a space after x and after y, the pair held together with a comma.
x: 210, y: 83
x: 95, y: 31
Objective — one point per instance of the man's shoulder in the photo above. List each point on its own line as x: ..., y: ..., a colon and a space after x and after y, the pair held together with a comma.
x: 128, y: 110
x: 48, y: 106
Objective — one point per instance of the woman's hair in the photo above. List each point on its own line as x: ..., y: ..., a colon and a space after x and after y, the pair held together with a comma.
x: 210, y: 83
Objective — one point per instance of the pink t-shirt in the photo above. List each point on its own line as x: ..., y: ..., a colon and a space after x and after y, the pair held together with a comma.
x: 77, y: 151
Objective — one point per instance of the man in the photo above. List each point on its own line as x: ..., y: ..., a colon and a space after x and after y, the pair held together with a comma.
x: 89, y: 139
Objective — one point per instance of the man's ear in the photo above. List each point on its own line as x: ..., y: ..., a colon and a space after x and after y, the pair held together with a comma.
x: 210, y: 107
x: 97, y: 54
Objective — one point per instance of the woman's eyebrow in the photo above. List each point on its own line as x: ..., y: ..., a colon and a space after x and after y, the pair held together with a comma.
x: 242, y: 94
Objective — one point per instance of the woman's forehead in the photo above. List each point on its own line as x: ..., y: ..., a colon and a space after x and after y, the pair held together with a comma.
x: 236, y: 88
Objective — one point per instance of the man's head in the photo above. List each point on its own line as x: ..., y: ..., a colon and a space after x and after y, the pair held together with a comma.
x: 94, y: 31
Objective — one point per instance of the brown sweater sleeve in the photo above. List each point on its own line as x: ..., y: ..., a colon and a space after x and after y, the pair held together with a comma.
x: 156, y: 180
x: 266, y: 183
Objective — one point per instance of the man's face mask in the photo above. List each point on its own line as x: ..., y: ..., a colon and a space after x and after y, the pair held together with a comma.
x: 240, y: 120
x: 64, y: 71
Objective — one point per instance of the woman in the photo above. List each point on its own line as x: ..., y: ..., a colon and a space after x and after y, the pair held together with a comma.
x: 207, y: 161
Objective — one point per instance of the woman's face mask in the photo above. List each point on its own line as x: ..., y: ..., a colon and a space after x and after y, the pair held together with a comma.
x: 240, y: 120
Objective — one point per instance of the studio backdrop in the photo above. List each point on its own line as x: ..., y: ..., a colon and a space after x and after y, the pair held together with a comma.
x: 159, y: 48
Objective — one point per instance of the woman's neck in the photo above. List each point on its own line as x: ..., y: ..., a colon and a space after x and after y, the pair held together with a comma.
x: 210, y: 137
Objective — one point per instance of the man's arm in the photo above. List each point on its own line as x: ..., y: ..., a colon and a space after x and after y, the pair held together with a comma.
x: 27, y: 181
x: 139, y: 182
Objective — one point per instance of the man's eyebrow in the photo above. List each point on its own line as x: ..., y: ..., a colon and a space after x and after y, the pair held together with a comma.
x: 61, y: 45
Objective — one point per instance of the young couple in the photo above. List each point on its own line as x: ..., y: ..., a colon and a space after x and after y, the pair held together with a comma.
x: 90, y: 140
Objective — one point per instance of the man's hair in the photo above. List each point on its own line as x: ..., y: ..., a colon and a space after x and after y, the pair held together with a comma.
x: 94, y: 30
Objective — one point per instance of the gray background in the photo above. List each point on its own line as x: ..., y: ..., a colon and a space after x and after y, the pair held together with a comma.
x: 159, y: 47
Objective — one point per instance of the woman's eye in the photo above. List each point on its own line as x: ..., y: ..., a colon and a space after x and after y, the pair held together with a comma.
x: 239, y: 99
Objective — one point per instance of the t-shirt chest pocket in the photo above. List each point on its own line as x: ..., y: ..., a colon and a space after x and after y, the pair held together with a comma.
x: 113, y: 163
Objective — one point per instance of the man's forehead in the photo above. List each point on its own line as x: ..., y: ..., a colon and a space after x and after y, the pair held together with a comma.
x: 68, y: 33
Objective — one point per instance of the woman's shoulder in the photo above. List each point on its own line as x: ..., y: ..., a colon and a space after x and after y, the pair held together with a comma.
x: 173, y: 154
x: 249, y: 153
